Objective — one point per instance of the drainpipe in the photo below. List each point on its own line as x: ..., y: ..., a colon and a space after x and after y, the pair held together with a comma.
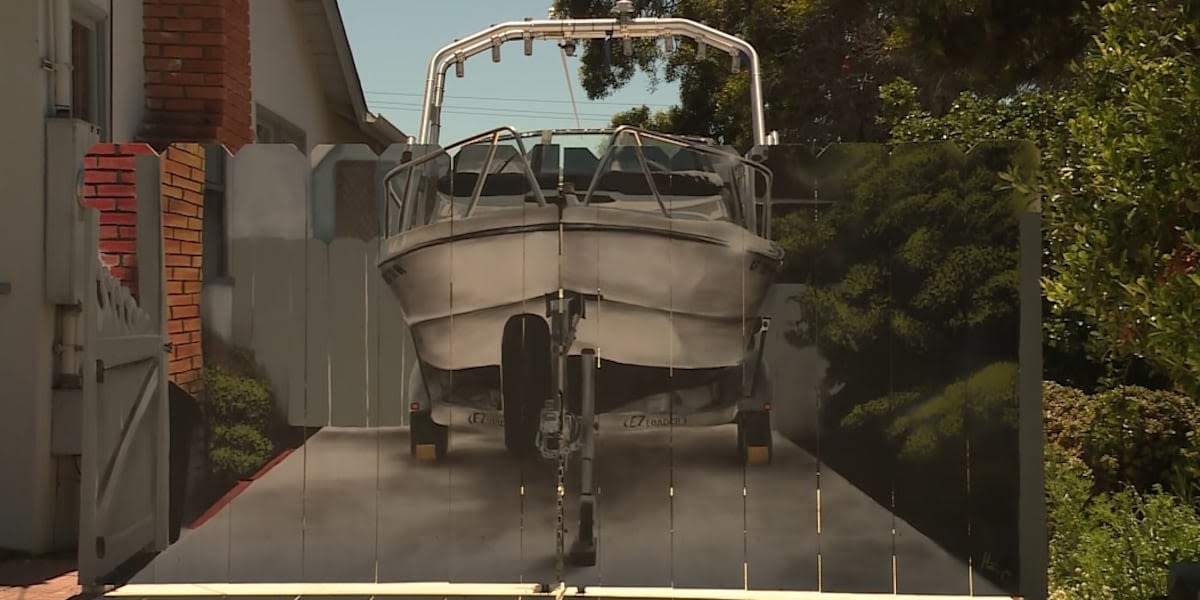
x: 61, y: 56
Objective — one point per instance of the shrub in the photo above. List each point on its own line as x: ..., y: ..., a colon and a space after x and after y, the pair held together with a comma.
x: 1112, y: 545
x: 239, y: 410
x: 237, y: 450
x: 1127, y: 435
x: 237, y: 398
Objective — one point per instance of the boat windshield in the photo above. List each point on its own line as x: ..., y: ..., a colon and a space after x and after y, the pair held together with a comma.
x: 625, y: 169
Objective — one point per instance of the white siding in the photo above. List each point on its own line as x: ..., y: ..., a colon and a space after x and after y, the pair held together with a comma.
x: 284, y: 73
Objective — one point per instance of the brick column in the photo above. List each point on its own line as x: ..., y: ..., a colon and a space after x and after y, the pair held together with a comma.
x: 109, y: 186
x: 183, y: 210
x: 197, y: 60
x: 197, y: 70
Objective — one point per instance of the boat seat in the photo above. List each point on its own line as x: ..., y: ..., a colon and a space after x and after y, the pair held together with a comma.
x: 579, y: 167
x: 506, y: 176
x: 505, y: 185
x: 544, y: 162
x: 677, y: 188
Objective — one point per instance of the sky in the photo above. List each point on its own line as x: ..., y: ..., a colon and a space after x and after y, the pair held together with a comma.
x: 394, y: 40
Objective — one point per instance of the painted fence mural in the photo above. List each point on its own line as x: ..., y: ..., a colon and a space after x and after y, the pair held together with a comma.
x: 901, y: 412
x: 309, y: 303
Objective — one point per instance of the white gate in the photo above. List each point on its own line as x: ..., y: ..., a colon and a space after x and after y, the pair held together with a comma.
x: 124, y: 473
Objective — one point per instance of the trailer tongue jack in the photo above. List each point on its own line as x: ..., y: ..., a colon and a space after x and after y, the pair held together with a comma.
x: 583, y: 551
x: 561, y: 433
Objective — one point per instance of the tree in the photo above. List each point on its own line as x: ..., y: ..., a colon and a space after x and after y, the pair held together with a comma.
x: 1126, y: 203
x: 823, y: 60
x: 1121, y: 184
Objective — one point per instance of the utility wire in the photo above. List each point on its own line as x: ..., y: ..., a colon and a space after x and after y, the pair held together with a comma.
x: 500, y: 111
x: 527, y: 115
x: 522, y: 100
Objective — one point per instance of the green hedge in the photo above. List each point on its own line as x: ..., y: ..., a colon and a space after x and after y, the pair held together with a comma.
x: 240, y: 409
x: 1128, y: 435
x: 1121, y: 470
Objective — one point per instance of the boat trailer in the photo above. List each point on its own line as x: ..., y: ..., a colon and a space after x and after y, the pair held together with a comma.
x: 560, y: 433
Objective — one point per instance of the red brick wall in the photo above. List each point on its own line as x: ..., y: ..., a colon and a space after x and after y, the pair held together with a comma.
x: 183, y: 210
x: 110, y: 187
x: 197, y: 60
x: 109, y: 181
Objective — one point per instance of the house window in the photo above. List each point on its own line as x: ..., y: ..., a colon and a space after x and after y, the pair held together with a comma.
x: 215, y: 241
x: 89, y: 60
x: 356, y: 212
x: 82, y: 55
x: 270, y: 128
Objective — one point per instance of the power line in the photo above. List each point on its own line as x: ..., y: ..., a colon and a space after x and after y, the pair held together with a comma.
x: 504, y: 114
x: 524, y: 100
x: 500, y: 110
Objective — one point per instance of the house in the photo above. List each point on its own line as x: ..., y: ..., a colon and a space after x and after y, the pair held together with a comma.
x: 135, y: 76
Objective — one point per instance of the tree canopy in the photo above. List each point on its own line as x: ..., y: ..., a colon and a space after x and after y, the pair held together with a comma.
x: 823, y: 61
x: 1120, y: 182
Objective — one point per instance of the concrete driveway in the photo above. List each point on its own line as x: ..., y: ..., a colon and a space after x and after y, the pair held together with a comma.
x: 351, y: 505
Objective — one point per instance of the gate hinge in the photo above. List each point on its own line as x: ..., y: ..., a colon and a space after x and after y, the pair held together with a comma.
x: 169, y: 347
x: 99, y: 370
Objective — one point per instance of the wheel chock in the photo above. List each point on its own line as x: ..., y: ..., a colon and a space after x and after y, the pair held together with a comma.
x: 758, y: 455
x: 426, y: 452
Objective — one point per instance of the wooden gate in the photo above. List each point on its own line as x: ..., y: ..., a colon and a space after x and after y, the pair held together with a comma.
x: 124, y: 473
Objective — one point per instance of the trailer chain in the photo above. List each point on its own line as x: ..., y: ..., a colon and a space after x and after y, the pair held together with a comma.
x: 561, y: 488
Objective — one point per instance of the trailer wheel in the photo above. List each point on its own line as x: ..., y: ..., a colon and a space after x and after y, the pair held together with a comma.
x: 525, y: 380
x: 428, y: 440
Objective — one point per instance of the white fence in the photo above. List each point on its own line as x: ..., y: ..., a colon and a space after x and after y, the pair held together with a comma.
x: 325, y: 328
x: 316, y: 312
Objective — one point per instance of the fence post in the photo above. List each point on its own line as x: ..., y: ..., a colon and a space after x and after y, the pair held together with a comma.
x: 152, y: 300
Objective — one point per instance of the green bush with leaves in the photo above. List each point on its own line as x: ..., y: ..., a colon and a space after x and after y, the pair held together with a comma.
x: 1127, y: 435
x: 240, y: 407
x: 237, y: 451
x: 984, y: 401
x: 1116, y: 545
x: 1121, y: 184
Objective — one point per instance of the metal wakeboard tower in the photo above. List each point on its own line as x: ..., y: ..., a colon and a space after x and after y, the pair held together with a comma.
x: 623, y: 27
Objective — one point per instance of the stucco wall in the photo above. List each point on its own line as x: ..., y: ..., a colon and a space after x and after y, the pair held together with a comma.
x: 284, y: 77
x: 26, y: 473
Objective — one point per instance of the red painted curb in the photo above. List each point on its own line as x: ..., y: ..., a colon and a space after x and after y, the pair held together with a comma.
x: 270, y: 464
x: 238, y: 488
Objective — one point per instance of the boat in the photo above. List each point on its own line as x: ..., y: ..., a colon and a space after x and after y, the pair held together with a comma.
x: 633, y: 261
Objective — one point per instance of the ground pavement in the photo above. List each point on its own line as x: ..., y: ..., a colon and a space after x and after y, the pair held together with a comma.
x: 351, y: 505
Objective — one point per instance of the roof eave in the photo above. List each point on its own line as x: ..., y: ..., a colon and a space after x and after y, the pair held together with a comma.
x: 378, y: 125
x: 341, y: 46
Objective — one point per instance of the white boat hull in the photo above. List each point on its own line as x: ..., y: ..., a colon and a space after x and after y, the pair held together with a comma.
x: 667, y: 293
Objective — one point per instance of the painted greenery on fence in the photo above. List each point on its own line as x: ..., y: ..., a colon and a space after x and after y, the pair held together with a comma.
x: 240, y: 407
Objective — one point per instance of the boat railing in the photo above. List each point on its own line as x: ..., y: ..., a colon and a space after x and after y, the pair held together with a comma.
x: 695, y: 179
x: 405, y: 199
x: 729, y: 164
